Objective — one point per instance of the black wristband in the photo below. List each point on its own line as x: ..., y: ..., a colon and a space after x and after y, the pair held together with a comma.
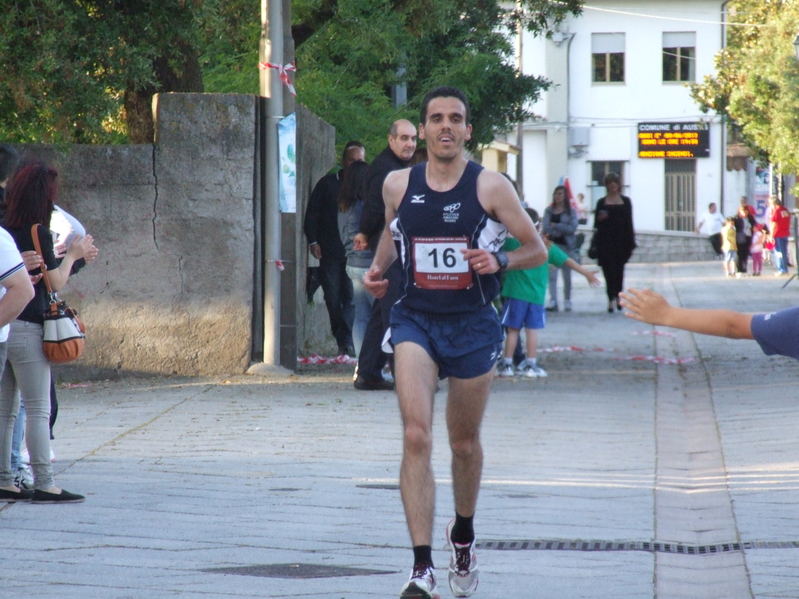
x: 502, y: 259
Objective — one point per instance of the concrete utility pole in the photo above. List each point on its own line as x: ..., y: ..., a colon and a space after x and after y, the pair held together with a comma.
x: 271, y: 87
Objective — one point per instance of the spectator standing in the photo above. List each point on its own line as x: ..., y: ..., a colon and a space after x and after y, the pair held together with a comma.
x: 582, y: 209
x: 756, y: 250
x: 324, y: 243
x: 781, y: 231
x: 729, y: 246
x: 30, y: 202
x: 615, y: 237
x: 560, y: 226
x: 524, y: 292
x: 710, y: 223
x: 350, y: 203
x: 744, y: 228
x: 398, y: 154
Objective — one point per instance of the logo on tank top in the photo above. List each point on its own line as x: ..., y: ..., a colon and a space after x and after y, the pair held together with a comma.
x: 417, y: 199
x: 451, y: 213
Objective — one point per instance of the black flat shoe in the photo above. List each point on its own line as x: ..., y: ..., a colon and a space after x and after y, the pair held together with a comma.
x: 40, y: 496
x: 11, y: 496
x: 363, y: 384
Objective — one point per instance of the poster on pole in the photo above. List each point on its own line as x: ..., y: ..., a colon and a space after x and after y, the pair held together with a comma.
x: 287, y: 144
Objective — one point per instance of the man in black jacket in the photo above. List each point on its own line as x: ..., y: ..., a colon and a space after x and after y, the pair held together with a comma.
x: 324, y: 243
x: 401, y: 145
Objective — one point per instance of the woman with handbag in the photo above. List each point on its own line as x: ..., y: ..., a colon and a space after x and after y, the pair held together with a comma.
x: 30, y: 202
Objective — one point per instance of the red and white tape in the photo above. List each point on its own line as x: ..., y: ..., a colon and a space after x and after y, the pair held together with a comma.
x: 317, y: 359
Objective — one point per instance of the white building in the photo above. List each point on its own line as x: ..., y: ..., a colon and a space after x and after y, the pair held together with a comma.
x: 620, y: 103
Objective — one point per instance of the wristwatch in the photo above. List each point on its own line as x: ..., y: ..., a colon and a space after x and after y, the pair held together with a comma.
x: 502, y: 259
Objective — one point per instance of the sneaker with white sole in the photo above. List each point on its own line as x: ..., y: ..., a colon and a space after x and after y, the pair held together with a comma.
x: 23, y: 478
x: 533, y: 372
x: 421, y: 584
x: 567, y: 305
x: 463, y: 573
x: 505, y: 370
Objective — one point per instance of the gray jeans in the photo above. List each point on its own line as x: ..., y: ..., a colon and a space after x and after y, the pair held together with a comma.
x: 566, y: 273
x: 26, y: 370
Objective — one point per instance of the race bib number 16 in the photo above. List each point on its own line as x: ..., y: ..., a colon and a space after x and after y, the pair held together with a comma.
x: 438, y: 263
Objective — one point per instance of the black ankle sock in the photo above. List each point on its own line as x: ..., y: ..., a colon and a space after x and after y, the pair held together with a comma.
x: 422, y: 554
x: 463, y: 531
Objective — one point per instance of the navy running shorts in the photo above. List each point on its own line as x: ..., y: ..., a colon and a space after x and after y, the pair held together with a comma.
x: 464, y: 346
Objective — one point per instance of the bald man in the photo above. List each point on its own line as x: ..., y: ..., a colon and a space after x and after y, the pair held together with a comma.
x: 398, y: 154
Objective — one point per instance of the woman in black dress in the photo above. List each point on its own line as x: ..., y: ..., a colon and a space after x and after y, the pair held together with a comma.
x: 614, y: 237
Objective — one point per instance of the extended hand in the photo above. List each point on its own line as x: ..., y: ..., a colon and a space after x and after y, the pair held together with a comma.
x: 593, y: 281
x: 645, y: 305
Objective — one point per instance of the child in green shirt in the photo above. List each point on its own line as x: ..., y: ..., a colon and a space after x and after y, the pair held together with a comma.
x: 524, y: 292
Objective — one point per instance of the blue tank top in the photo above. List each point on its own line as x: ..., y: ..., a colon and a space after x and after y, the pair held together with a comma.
x: 430, y: 230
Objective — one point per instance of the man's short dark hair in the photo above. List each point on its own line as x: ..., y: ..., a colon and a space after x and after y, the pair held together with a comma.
x: 710, y: 205
x: 349, y: 146
x: 444, y: 92
x: 9, y: 159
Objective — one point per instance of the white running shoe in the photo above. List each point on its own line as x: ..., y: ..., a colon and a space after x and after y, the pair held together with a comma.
x: 23, y: 478
x: 505, y: 370
x: 463, y: 573
x: 533, y: 372
x: 421, y: 584
x: 567, y: 305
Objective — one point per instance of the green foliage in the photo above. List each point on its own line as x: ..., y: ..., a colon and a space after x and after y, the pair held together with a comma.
x: 231, y: 31
x: 756, y: 84
x: 68, y: 64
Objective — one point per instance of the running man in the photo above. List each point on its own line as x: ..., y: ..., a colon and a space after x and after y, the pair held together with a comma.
x: 449, y: 218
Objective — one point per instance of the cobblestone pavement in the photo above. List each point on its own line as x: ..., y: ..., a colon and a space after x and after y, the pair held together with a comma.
x: 623, y: 474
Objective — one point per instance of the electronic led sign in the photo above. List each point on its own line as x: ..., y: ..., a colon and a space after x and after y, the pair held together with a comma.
x: 673, y: 140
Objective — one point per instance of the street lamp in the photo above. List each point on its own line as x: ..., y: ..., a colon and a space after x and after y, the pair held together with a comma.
x: 796, y: 45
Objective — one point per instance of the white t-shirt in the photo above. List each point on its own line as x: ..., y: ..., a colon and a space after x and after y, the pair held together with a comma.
x: 10, y: 262
x: 711, y: 223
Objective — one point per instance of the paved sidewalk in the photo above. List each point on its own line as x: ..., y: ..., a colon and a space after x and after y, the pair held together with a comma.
x: 615, y: 477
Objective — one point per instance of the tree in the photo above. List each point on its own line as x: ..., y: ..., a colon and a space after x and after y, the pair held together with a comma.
x: 756, y: 84
x: 85, y: 71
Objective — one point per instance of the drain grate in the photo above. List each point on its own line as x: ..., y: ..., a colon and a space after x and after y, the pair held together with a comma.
x: 651, y: 546
x: 301, y: 571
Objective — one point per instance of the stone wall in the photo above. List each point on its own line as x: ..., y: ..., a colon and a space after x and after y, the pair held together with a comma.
x: 174, y: 288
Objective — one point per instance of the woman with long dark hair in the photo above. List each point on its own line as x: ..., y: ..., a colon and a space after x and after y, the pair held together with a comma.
x: 615, y: 237
x: 560, y: 225
x: 30, y: 201
x: 350, y: 205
